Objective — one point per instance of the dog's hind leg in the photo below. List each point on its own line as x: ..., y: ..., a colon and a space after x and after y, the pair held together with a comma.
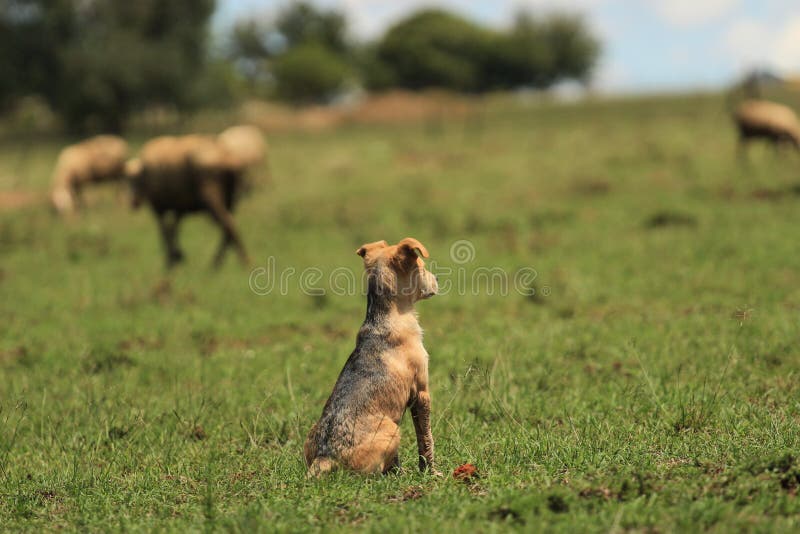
x: 377, y: 451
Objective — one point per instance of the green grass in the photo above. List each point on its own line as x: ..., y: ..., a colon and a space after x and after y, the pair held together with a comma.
x: 650, y: 384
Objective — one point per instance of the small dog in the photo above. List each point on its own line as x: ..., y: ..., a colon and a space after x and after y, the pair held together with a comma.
x: 387, y: 372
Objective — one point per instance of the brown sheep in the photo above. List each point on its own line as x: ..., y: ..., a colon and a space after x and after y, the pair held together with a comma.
x: 95, y: 160
x: 247, y: 143
x: 762, y: 119
x: 181, y: 175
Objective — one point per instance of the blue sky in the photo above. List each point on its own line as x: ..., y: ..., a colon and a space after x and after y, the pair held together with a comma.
x: 649, y: 45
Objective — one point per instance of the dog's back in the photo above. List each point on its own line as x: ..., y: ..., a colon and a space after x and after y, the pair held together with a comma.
x: 360, y: 390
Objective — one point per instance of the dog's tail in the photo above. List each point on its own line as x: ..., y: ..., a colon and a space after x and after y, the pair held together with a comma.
x: 321, y: 466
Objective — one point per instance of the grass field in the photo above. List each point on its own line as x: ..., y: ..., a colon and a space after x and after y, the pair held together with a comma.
x: 650, y: 383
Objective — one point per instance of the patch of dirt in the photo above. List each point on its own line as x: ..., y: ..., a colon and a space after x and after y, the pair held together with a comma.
x: 406, y: 107
x: 198, y: 433
x: 786, y: 469
x: 346, y: 516
x: 412, y: 493
x: 140, y: 343
x: 393, y: 107
x: 46, y: 494
x: 663, y: 219
x: 768, y: 194
x: 163, y: 292
x: 11, y: 200
x: 117, y: 432
x: 557, y: 504
x: 591, y: 187
x: 504, y: 513
x: 105, y: 361
x: 16, y: 355
x: 598, y: 493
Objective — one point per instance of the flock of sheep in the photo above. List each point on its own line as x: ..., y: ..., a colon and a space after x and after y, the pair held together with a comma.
x: 205, y: 173
x: 175, y: 175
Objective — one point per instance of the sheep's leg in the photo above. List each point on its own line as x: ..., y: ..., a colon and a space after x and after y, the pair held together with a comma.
x: 214, y: 198
x: 741, y: 149
x: 777, y: 146
x: 224, y: 243
x: 169, y: 233
x: 77, y: 194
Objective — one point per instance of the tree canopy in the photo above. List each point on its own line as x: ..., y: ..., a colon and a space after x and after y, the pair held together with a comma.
x: 435, y: 48
x: 96, y: 61
x: 303, y: 55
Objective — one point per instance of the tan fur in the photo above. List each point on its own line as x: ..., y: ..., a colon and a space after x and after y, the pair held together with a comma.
x: 248, y: 145
x: 768, y: 120
x: 246, y: 142
x: 189, y: 174
x: 95, y: 160
x: 387, y: 372
x: 174, y: 154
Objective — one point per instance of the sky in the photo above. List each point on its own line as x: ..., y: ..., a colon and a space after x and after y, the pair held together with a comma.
x: 648, y: 45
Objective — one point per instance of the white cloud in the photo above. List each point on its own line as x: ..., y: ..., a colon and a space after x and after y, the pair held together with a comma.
x: 685, y: 13
x: 745, y: 40
x: 752, y: 42
x: 786, y: 49
x: 370, y: 17
x: 569, y: 5
x: 611, y: 76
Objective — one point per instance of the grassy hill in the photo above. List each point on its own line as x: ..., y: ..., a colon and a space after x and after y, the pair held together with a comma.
x: 649, y: 382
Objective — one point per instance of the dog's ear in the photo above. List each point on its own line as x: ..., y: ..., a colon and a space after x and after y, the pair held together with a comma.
x: 367, y: 247
x: 410, y: 248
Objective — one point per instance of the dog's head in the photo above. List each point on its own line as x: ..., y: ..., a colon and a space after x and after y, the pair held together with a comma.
x: 397, y: 271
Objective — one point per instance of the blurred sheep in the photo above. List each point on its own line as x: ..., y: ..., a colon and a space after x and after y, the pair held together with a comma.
x: 95, y: 160
x: 762, y: 119
x: 188, y: 174
x: 247, y: 143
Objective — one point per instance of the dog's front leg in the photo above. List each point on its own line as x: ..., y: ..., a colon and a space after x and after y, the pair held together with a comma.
x: 421, y: 415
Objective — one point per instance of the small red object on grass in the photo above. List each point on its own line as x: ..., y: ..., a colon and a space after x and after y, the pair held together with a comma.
x: 465, y: 472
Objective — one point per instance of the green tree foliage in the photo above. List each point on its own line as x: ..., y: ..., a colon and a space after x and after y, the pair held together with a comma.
x: 96, y: 61
x: 303, y: 55
x: 30, y: 36
x: 302, y: 23
x: 308, y: 73
x: 574, y: 49
x: 434, y: 48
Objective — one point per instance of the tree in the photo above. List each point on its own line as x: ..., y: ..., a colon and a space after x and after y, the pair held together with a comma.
x: 575, y: 50
x: 30, y: 35
x: 308, y: 73
x: 301, y: 23
x: 303, y: 55
x: 97, y: 61
x: 434, y: 48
